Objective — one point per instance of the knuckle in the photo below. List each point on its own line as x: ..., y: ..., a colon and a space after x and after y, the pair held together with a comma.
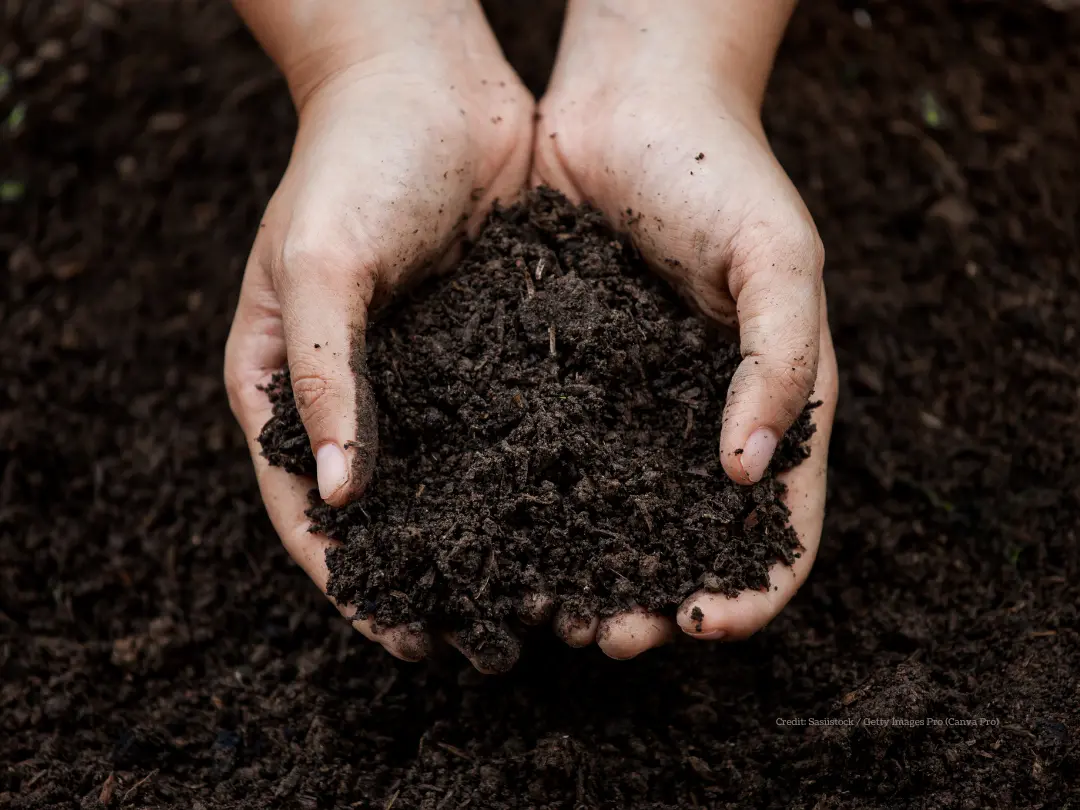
x: 306, y: 252
x: 313, y: 252
x: 790, y: 246
x: 311, y: 257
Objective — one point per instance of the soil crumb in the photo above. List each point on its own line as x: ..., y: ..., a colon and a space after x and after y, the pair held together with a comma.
x: 549, y: 417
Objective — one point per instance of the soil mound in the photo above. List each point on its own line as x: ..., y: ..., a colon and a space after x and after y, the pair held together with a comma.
x: 548, y: 422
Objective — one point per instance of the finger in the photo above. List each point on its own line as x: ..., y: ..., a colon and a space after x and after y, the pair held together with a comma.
x: 325, y: 298
x: 492, y: 649
x: 630, y: 634
x: 711, y: 616
x: 575, y: 629
x: 536, y: 608
x: 255, y: 350
x: 778, y: 297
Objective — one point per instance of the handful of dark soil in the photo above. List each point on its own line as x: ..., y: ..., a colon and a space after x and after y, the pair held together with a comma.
x: 548, y: 421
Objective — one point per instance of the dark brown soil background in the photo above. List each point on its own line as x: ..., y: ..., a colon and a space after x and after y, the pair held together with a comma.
x: 158, y: 649
x: 548, y: 416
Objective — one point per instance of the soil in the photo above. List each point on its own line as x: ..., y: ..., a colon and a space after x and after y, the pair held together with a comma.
x: 158, y: 649
x: 548, y: 421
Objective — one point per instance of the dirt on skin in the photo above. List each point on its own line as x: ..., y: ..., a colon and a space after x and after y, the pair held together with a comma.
x: 548, y: 424
x: 158, y: 648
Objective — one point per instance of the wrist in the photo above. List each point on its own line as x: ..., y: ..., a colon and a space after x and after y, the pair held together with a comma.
x: 732, y: 43
x: 312, y: 41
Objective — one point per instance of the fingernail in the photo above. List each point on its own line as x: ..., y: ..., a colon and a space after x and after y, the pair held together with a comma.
x: 712, y: 635
x: 333, y: 471
x: 757, y: 453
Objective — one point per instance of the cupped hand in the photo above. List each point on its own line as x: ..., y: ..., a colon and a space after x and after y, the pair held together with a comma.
x: 674, y: 153
x: 399, y: 154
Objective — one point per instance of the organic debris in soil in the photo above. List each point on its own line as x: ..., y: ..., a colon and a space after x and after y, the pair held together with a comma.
x: 549, y: 418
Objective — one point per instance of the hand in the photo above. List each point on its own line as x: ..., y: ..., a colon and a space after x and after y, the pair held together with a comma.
x: 405, y: 140
x: 646, y: 121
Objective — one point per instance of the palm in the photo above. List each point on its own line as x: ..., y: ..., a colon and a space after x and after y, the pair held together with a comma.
x: 371, y: 162
x: 689, y: 180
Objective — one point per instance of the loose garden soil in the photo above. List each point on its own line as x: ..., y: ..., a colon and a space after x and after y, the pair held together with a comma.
x: 159, y: 649
x: 548, y: 421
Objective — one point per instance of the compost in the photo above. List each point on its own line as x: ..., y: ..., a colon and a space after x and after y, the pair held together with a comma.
x: 159, y: 649
x: 549, y: 417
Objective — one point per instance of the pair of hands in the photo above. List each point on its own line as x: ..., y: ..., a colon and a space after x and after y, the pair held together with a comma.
x: 406, y: 138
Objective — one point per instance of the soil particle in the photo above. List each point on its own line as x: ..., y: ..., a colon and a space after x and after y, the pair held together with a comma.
x: 697, y: 615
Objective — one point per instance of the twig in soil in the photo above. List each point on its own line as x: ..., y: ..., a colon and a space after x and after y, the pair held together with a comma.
x: 611, y: 534
x: 537, y: 499
x: 449, y: 532
x: 397, y: 372
x: 137, y: 785
x: 457, y: 752
x: 530, y: 290
x: 388, y: 684
x: 33, y: 780
x: 487, y: 579
x: 249, y: 88
x: 540, y: 265
x: 1019, y: 730
x: 106, y: 794
x: 644, y: 514
x: 551, y: 340
x: 689, y: 423
x: 251, y: 563
x: 470, y: 328
x: 393, y: 799
x: 934, y: 149
x: 499, y: 321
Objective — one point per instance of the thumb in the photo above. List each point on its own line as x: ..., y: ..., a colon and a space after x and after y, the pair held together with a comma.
x: 778, y: 297
x: 324, y: 310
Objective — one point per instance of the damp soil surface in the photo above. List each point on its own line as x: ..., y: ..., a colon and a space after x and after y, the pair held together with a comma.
x: 548, y: 422
x: 158, y: 648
